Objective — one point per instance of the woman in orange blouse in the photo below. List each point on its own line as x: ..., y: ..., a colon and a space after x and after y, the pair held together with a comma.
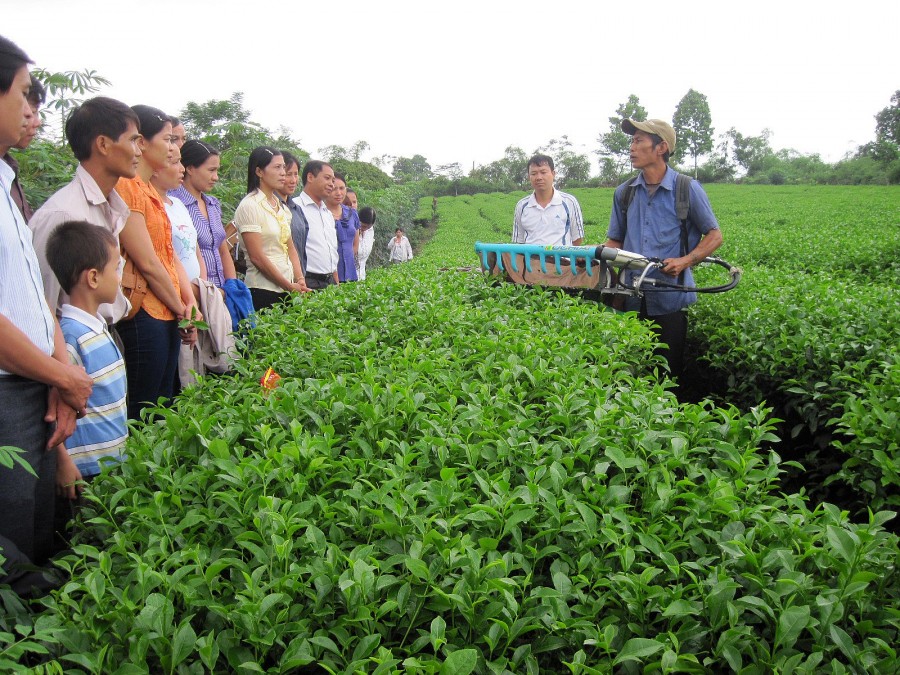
x: 152, y: 338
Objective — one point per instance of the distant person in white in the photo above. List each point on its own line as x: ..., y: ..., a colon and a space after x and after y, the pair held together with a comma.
x: 547, y: 216
x: 321, y: 239
x: 399, y: 247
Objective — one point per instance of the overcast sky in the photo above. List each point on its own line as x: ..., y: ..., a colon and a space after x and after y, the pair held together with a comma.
x: 459, y: 81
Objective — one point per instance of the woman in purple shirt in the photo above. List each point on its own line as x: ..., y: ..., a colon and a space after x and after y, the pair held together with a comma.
x: 346, y: 222
x: 201, y: 173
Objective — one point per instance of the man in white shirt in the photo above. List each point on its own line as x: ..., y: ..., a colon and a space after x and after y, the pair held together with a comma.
x: 40, y: 391
x: 103, y: 135
x: 547, y: 216
x: 321, y: 239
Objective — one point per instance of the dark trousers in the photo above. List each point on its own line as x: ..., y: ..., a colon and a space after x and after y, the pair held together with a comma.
x: 671, y: 329
x: 26, y: 502
x: 263, y: 299
x: 317, y: 282
x: 150, y: 351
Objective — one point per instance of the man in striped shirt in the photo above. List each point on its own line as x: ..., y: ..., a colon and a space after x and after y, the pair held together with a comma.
x: 547, y: 216
x: 85, y: 259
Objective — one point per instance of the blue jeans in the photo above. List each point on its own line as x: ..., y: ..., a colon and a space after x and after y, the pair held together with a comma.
x: 151, y: 359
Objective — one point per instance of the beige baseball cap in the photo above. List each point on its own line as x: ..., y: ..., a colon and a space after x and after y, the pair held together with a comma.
x: 659, y: 127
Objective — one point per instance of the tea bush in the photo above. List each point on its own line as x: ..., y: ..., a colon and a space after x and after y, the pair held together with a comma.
x: 455, y: 476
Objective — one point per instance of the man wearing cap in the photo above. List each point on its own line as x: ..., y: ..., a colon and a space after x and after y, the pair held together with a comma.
x: 648, y: 225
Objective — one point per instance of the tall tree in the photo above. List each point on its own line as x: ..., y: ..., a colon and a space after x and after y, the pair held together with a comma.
x: 333, y: 153
x: 409, y: 169
x: 508, y: 173
x: 752, y: 152
x: 222, y: 122
x: 885, y: 149
x: 226, y: 124
x: 337, y: 152
x: 887, y: 122
x: 615, y: 144
x: 572, y: 168
x: 66, y: 91
x: 693, y: 127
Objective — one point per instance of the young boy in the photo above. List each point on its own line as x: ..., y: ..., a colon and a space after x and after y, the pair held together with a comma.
x: 85, y: 259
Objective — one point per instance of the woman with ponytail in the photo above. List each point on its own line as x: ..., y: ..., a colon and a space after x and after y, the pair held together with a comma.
x: 201, y: 173
x: 264, y: 223
x: 150, y: 336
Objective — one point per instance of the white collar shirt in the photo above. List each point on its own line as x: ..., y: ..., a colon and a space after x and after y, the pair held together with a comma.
x: 95, y: 322
x: 321, y: 240
x: 558, y: 223
x: 21, y: 290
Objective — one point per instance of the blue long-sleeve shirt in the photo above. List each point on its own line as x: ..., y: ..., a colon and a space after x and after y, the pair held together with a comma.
x: 654, y: 231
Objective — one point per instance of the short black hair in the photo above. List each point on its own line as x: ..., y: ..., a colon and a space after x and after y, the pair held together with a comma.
x: 38, y: 94
x: 314, y: 167
x: 76, y: 246
x: 367, y: 215
x: 656, y: 139
x: 98, y: 116
x: 290, y: 160
x: 12, y: 59
x: 539, y: 160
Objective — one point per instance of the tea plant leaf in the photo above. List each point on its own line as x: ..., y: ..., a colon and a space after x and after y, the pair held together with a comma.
x: 184, y: 642
x: 208, y: 649
x: 843, y: 542
x: 843, y: 641
x: 636, y: 649
x: 438, y: 630
x: 365, y: 647
x: 680, y: 608
x: 791, y: 623
x: 10, y: 455
x: 488, y: 543
x: 326, y: 643
x: 461, y: 662
x: 418, y: 568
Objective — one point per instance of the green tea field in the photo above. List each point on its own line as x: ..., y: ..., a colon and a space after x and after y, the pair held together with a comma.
x: 457, y: 476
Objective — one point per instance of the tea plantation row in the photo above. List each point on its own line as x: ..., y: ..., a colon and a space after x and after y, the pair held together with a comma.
x: 459, y: 477
x: 812, y: 329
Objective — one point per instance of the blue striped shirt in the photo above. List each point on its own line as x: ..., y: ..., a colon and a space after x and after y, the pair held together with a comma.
x: 21, y: 289
x: 102, y: 432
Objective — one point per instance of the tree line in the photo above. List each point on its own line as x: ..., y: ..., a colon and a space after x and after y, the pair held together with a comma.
x: 729, y: 157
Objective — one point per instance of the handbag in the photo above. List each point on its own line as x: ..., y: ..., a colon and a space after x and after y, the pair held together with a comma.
x: 134, y: 287
x: 232, y: 237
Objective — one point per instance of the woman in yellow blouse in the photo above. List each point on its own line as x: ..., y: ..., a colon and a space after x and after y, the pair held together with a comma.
x: 264, y: 223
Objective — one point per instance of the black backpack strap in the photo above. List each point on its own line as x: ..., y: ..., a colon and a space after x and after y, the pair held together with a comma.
x: 683, y: 207
x: 627, y: 198
x: 682, y: 212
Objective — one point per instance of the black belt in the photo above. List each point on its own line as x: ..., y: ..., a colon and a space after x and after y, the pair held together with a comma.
x: 320, y: 277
